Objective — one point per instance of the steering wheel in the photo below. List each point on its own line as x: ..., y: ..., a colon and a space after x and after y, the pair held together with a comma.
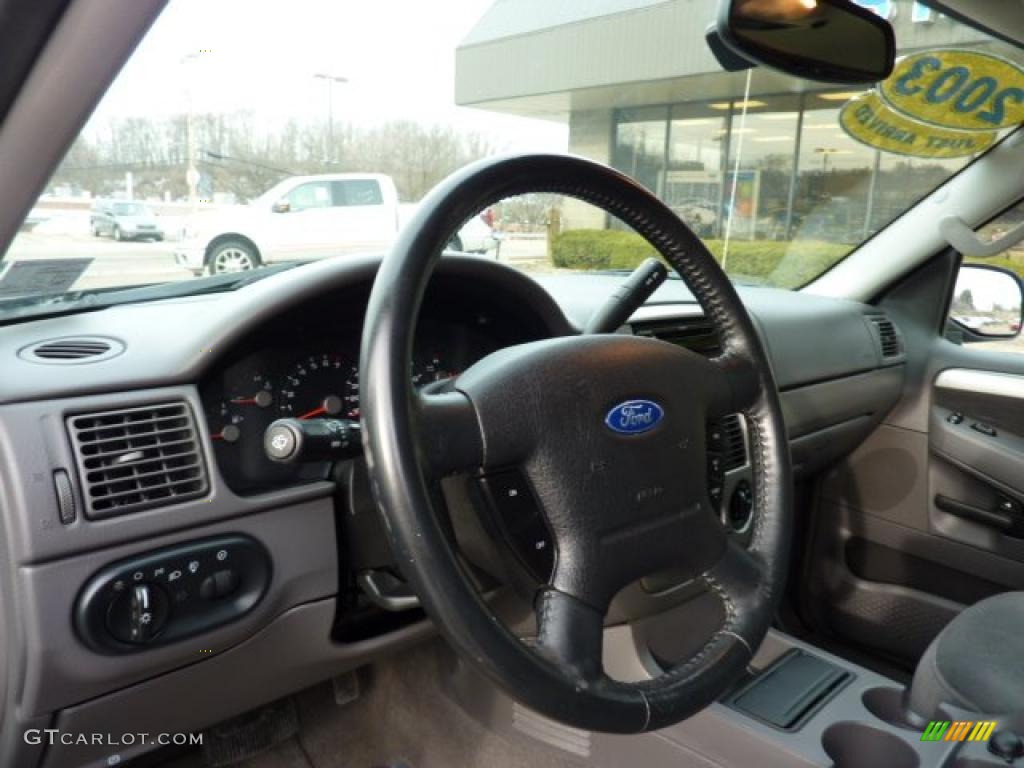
x: 609, y: 431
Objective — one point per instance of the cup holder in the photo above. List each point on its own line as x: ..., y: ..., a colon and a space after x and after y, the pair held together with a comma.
x: 887, y: 705
x: 855, y: 745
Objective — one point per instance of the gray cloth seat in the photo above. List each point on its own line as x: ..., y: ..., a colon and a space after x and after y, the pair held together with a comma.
x: 976, y: 662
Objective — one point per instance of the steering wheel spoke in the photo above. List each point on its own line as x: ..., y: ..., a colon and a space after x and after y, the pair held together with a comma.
x: 569, y: 633
x: 449, y: 434
x: 734, y: 385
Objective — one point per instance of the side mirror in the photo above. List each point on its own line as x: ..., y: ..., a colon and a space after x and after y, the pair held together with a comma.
x: 833, y: 41
x: 986, y: 303
x: 281, y: 206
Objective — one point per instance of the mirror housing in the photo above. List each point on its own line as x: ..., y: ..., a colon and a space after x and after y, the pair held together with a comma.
x: 832, y: 41
x: 281, y: 206
x: 986, y: 304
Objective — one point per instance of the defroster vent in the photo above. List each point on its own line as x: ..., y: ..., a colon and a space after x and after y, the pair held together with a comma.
x: 137, y: 458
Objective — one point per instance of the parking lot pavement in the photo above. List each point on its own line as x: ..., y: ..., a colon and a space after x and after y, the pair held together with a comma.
x: 528, y: 253
x: 114, y: 264
x: 137, y: 263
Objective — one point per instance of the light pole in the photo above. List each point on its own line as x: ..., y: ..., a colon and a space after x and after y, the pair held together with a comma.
x: 191, y: 172
x: 330, y: 80
x: 825, y: 152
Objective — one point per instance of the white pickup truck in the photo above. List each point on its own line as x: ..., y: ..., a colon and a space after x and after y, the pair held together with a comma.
x: 309, y: 217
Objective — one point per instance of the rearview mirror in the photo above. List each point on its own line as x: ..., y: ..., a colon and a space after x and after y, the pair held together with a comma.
x: 833, y: 41
x: 986, y: 303
x: 281, y: 206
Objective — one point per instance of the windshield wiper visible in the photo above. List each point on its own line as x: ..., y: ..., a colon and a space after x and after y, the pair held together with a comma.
x: 50, y: 305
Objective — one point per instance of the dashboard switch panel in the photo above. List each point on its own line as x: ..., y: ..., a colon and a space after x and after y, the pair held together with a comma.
x: 171, y: 594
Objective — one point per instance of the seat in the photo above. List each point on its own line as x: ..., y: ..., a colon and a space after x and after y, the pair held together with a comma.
x: 976, y: 662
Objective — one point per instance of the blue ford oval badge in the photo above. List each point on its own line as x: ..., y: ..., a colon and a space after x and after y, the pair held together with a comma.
x: 634, y: 417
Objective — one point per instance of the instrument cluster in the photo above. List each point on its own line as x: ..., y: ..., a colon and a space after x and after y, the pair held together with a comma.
x: 292, y: 376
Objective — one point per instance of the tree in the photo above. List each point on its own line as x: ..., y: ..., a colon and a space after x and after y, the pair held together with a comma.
x: 236, y: 157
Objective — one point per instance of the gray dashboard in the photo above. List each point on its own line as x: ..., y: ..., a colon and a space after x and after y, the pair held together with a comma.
x: 835, y: 363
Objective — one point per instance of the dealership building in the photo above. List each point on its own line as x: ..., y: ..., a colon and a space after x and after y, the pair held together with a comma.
x: 640, y: 90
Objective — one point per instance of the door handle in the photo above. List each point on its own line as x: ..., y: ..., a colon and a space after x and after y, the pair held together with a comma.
x: 1009, y: 522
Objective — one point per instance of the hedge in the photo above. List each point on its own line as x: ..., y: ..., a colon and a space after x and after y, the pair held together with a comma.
x: 778, y: 263
x: 1012, y: 262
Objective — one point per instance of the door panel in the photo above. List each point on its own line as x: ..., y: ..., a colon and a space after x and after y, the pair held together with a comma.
x: 926, y: 516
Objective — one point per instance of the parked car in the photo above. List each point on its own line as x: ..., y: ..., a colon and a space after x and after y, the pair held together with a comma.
x: 124, y: 220
x: 309, y: 217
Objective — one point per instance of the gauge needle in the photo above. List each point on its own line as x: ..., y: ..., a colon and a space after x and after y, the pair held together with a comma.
x: 315, y: 412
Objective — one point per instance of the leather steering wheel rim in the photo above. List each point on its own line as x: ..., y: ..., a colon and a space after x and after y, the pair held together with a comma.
x: 408, y: 436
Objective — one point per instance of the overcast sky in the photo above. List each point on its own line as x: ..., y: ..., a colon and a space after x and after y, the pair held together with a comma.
x: 258, y: 55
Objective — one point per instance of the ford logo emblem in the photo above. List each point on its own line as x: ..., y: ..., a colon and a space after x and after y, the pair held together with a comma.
x: 634, y: 417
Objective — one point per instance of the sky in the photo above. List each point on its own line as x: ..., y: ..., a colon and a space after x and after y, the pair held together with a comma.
x: 261, y: 56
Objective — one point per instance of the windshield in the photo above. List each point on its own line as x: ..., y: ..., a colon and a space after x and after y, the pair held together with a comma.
x: 313, y: 134
x: 129, y: 209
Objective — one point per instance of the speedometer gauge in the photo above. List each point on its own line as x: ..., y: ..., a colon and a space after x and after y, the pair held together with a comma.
x: 317, y: 386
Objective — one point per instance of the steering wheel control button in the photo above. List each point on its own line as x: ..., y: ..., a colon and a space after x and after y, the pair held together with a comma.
x: 171, y: 594
x: 533, y: 544
x: 741, y: 506
x: 1006, y: 745
x: 520, y: 522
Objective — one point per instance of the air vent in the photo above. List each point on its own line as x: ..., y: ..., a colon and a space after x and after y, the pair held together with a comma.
x: 72, y: 349
x: 887, y: 336
x: 137, y: 458
x: 734, y: 447
x: 696, y: 334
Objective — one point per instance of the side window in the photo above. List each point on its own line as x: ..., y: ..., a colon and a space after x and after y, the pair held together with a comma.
x: 985, y: 310
x: 357, y: 192
x: 315, y: 194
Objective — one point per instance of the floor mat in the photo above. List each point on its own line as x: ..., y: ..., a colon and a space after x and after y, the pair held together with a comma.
x: 405, y: 718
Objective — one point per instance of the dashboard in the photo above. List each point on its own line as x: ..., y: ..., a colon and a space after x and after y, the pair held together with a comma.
x: 257, y: 564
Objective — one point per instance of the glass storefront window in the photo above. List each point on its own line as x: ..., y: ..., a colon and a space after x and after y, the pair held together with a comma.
x: 694, y: 177
x: 758, y: 192
x: 640, y: 146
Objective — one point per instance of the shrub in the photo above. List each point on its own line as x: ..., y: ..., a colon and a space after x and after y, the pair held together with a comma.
x: 783, y: 264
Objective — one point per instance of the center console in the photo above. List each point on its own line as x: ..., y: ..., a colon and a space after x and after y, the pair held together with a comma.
x: 799, y: 706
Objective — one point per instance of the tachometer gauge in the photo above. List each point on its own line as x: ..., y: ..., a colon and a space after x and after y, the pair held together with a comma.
x: 317, y: 386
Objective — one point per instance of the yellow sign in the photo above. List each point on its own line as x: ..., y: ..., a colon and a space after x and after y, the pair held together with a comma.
x: 956, y: 88
x: 871, y: 122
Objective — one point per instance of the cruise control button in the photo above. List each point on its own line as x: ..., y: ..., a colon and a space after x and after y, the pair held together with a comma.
x: 520, y: 521
x: 510, y: 495
x: 533, y: 543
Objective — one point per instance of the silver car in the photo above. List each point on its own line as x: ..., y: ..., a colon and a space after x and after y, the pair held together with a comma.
x: 124, y: 220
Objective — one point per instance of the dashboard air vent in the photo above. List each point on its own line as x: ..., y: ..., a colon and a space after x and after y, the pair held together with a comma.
x: 72, y: 349
x: 888, y: 337
x: 137, y: 458
x: 734, y: 448
x: 696, y: 334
